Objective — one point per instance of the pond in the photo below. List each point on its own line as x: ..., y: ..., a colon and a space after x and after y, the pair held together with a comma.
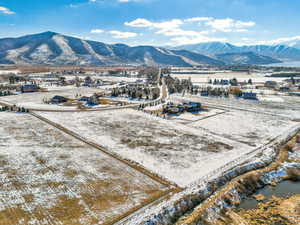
x: 284, y: 189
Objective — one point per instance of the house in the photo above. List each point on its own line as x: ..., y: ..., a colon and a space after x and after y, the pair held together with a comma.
x: 284, y: 89
x: 93, y: 100
x: 192, y: 106
x: 249, y: 95
x: 28, y: 88
x: 224, y: 82
x: 58, y: 99
x: 84, y: 99
x: 295, y: 93
x: 270, y: 84
x: 204, y: 93
x: 170, y: 108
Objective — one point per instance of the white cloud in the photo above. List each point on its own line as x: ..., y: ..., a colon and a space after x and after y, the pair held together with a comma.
x: 121, y: 35
x: 289, y: 40
x: 170, y: 24
x: 97, y: 31
x: 198, y: 19
x: 115, y: 33
x: 224, y: 25
x: 229, y: 25
x: 141, y: 22
x: 181, y: 32
x: 194, y: 40
x: 6, y: 11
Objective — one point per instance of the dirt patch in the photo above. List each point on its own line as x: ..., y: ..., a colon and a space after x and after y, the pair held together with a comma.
x: 218, y: 147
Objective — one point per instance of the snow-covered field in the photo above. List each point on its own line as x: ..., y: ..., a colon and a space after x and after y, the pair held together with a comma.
x: 184, y: 148
x: 47, y: 177
x: 35, y: 100
x: 286, y: 106
x: 250, y: 128
x: 193, y: 117
x: 203, y: 78
x: 119, y: 79
x: 9, y: 71
x: 176, y: 151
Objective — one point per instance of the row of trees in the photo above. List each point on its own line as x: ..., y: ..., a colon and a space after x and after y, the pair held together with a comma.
x: 136, y: 91
x: 15, y: 79
x: 19, y: 109
x: 176, y: 85
x: 210, y: 91
x: 5, y: 93
x: 232, y: 82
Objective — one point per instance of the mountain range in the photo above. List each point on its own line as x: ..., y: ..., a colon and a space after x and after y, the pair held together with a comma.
x: 279, y: 52
x: 245, y: 58
x: 50, y: 48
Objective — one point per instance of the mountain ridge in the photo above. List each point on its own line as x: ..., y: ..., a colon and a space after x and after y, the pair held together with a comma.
x: 279, y: 52
x: 52, y: 48
x: 246, y: 58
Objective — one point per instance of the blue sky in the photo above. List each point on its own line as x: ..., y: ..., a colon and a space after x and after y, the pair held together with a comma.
x: 155, y: 22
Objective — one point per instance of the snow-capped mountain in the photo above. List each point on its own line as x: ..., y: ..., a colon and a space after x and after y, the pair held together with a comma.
x: 280, y: 52
x: 56, y: 49
x: 294, y: 43
x: 246, y: 58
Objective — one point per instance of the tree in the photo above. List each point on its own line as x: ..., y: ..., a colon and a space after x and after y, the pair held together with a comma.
x: 234, y: 82
x: 236, y: 92
x: 62, y: 80
x: 293, y: 80
x: 12, y: 79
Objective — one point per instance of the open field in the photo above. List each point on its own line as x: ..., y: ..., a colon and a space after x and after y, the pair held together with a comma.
x: 250, y: 128
x: 289, y: 107
x: 188, y: 117
x: 240, y: 76
x: 175, y: 151
x: 184, y: 148
x: 47, y: 177
x: 35, y: 100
